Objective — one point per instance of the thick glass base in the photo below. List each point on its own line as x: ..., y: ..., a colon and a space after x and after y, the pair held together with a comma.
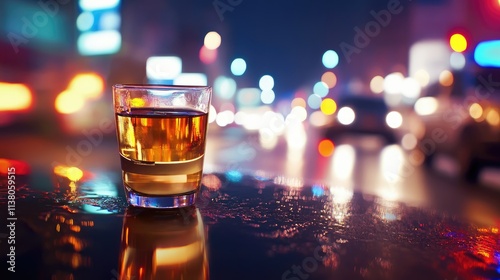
x: 165, y: 202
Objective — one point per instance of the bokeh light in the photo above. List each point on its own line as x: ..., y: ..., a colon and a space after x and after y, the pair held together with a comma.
x: 110, y: 20
x: 377, y: 84
x: 446, y: 78
x: 493, y: 118
x: 267, y: 96
x: 298, y: 101
x: 89, y: 85
x: 163, y: 67
x: 320, y: 89
x: 409, y: 141
x: 15, y: 97
x: 85, y: 21
x: 346, y: 115
x: 208, y: 56
x: 330, y: 59
x: 426, y: 106
x: 225, y: 87
x: 72, y: 173
x: 298, y: 113
x: 224, y: 118
x: 317, y: 118
x: 457, y: 61
x: 68, y: 102
x: 475, y: 111
x: 212, y: 40
x: 422, y: 77
x: 326, y: 147
x: 486, y: 53
x: 410, y: 88
x: 328, y: 106
x: 211, y: 181
x: 240, y: 118
x: 394, y: 119
x: 458, y: 42
x: 266, y: 82
x: 329, y: 78
x: 314, y: 101
x: 238, y: 66
x: 393, y: 83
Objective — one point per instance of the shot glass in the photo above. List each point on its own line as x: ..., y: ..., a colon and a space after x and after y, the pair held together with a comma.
x: 161, y: 132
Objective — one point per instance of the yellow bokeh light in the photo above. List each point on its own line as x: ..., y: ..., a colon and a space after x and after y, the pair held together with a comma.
x: 446, y: 78
x: 212, y: 40
x: 89, y: 85
x: 14, y: 97
x: 68, y: 102
x: 329, y: 78
x: 493, y: 118
x: 475, y: 111
x: 72, y: 173
x: 328, y: 106
x: 298, y: 102
x: 326, y: 147
x: 458, y: 43
x: 422, y: 77
x: 377, y: 84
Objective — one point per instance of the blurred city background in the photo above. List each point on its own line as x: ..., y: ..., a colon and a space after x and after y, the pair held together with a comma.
x: 398, y: 98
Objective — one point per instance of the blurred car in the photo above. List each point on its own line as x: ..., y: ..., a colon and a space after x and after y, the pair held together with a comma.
x: 461, y: 120
x: 363, y: 115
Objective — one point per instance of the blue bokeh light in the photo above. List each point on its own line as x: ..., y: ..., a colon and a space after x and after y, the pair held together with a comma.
x: 314, y: 101
x: 238, y: 66
x: 234, y: 175
x: 487, y: 53
x: 318, y: 191
x: 320, y: 89
x: 330, y: 59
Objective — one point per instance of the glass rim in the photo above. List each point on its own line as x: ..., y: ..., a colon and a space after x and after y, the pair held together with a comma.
x: 159, y: 87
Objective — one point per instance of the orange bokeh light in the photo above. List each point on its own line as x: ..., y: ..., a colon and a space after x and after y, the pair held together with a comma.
x: 15, y: 97
x: 329, y: 78
x: 446, y: 78
x: 298, y: 101
x: 15, y: 166
x: 326, y: 147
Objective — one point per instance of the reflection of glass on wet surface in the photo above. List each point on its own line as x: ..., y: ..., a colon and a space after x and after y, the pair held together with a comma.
x: 163, y: 245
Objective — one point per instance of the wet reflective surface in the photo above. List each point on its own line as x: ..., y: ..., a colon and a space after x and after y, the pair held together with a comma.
x: 245, y: 226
